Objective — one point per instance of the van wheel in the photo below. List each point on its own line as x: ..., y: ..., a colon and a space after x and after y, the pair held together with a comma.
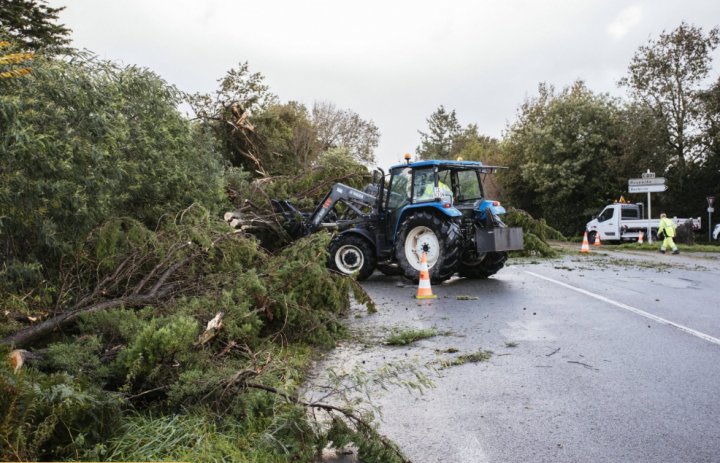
x: 591, y: 237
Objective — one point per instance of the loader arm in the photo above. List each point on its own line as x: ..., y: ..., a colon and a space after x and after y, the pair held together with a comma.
x: 354, y: 199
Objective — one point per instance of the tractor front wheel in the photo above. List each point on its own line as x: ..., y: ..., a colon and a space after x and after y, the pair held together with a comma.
x: 352, y: 255
x: 438, y: 238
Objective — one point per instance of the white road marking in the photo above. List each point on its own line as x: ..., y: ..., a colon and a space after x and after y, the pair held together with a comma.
x: 642, y: 313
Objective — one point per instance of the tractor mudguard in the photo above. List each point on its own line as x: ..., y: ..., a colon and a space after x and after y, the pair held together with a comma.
x: 493, y: 207
x: 448, y: 211
x: 370, y: 237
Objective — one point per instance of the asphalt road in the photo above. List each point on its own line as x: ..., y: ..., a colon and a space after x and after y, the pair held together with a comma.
x: 607, y: 357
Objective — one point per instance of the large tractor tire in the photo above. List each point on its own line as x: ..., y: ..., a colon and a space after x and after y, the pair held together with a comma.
x: 438, y: 237
x: 352, y: 255
x: 480, y: 266
x: 483, y: 266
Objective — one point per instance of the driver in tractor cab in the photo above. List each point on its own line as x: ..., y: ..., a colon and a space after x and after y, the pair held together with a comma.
x: 429, y: 190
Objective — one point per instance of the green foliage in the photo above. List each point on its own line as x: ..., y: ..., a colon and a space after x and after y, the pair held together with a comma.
x: 79, y: 358
x: 203, y: 436
x: 305, y: 190
x: 85, y: 140
x: 52, y: 416
x: 225, y: 115
x: 405, y: 337
x: 667, y: 78
x: 32, y: 24
x: 289, y: 142
x: 558, y: 151
x: 474, y: 357
x: 372, y: 447
x: 536, y: 233
x: 470, y: 145
x: 161, y: 343
x: 307, y: 299
x: 113, y: 327
x: 335, y: 165
x: 437, y: 143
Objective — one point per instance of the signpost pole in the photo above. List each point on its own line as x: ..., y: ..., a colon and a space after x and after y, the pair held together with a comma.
x: 648, y: 184
x: 649, y: 228
x: 710, y: 209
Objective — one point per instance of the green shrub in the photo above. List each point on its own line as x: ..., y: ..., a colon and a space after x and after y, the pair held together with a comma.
x: 52, y: 416
x: 536, y: 233
x: 158, y: 345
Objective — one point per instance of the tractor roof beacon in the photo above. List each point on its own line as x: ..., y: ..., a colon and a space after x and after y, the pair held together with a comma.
x: 433, y: 207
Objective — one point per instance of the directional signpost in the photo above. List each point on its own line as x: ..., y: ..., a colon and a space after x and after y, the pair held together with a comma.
x: 647, y: 188
x: 647, y: 184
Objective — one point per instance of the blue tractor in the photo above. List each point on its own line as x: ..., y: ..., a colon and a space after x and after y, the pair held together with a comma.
x: 433, y: 207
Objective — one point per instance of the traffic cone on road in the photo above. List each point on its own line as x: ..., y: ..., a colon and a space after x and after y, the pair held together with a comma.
x: 585, y: 246
x: 424, y: 290
x: 640, y: 237
x: 597, y: 239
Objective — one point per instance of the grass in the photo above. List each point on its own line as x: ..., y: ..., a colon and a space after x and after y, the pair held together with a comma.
x: 656, y: 245
x: 475, y: 357
x: 449, y: 350
x: 405, y: 337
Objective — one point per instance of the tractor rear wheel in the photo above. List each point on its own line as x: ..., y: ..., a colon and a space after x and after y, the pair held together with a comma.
x: 439, y: 238
x: 352, y: 255
x: 483, y: 266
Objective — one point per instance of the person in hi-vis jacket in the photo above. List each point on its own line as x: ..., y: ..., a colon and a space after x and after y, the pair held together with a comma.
x: 667, y: 231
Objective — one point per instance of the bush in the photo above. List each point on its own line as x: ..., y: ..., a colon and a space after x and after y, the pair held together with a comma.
x: 52, y: 416
x: 83, y: 140
x: 536, y: 233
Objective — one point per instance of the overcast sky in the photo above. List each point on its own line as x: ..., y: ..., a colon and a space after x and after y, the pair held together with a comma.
x: 393, y: 62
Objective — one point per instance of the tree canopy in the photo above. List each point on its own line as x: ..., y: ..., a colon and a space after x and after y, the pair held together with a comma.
x: 668, y: 77
x: 85, y: 140
x: 558, y: 152
x: 437, y: 142
x: 32, y: 24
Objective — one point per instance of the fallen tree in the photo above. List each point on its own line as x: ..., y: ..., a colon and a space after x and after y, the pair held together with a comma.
x: 172, y: 321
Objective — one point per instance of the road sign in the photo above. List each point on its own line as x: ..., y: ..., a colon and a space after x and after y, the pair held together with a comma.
x: 646, y: 188
x: 646, y: 181
x: 648, y: 174
x: 711, y: 209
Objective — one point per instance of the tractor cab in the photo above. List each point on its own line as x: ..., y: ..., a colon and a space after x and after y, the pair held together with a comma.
x: 453, y: 188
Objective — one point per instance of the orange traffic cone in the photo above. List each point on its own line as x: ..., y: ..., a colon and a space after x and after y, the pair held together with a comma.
x: 424, y: 290
x: 640, y: 237
x: 585, y: 246
x: 597, y: 239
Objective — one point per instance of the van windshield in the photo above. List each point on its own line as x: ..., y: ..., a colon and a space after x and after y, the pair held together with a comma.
x: 607, y: 214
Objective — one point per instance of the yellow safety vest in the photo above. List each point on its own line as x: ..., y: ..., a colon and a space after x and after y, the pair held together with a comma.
x: 667, y: 226
x: 430, y: 193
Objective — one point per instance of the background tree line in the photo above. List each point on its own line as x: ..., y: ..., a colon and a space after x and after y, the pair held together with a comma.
x: 570, y: 152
